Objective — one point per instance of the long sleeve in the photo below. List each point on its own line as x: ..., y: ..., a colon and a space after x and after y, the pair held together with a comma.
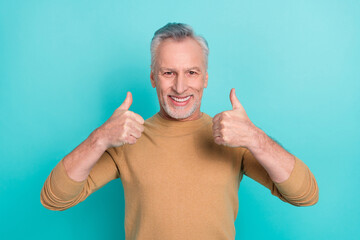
x: 300, y: 189
x: 60, y: 192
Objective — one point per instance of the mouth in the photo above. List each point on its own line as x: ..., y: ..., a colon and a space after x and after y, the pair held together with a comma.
x: 180, y: 101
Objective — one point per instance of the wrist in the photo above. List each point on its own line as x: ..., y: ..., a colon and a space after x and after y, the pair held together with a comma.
x: 97, y: 141
x: 257, y: 140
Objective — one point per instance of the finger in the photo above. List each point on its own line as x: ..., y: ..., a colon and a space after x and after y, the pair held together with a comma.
x: 135, y: 133
x: 218, y: 140
x: 216, y: 118
x: 219, y: 124
x: 131, y: 140
x: 216, y: 133
x: 135, y: 129
x: 127, y: 102
x: 133, y: 126
x: 234, y: 100
x: 216, y: 125
x: 139, y: 127
x: 138, y: 118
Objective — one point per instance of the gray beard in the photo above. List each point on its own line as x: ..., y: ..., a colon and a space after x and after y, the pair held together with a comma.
x: 175, y: 113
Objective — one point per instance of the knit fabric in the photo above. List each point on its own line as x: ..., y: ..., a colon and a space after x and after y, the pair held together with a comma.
x: 178, y: 183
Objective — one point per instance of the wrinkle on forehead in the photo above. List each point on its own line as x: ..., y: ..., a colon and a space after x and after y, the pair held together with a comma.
x: 175, y: 69
x: 180, y: 55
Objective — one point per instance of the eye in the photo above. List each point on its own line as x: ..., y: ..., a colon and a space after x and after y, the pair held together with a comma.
x: 168, y: 73
x: 192, y: 72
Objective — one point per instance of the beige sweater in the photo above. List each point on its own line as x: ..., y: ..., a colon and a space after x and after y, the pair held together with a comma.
x: 178, y: 184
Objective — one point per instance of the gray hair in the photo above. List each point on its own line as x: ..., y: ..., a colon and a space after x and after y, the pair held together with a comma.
x: 178, y: 32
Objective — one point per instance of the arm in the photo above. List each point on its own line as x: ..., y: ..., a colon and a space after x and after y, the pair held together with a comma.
x: 276, y: 160
x: 264, y: 160
x: 92, y: 164
x: 61, y: 192
x: 299, y: 189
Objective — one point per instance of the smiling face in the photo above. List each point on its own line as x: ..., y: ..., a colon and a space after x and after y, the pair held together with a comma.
x: 180, y: 77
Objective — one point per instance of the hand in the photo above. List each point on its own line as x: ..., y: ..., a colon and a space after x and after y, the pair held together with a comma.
x: 233, y: 128
x: 122, y: 127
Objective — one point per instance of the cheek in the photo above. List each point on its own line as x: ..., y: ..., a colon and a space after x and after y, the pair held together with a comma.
x: 163, y: 87
x: 197, y: 85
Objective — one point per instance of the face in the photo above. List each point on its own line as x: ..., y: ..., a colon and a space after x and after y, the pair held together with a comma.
x: 179, y: 77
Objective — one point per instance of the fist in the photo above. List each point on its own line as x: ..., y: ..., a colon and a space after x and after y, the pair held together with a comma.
x: 233, y: 128
x: 123, y: 126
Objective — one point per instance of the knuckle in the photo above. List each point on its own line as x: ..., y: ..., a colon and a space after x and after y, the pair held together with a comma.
x: 137, y: 134
x: 226, y: 115
x: 127, y: 120
x: 126, y: 115
x: 121, y: 113
x: 128, y: 123
x: 213, y: 128
x: 123, y: 136
x: 222, y: 132
x: 122, y: 125
x: 142, y: 128
x: 139, y: 118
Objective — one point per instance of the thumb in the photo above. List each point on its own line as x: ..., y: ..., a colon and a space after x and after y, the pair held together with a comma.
x: 234, y: 100
x: 127, y: 102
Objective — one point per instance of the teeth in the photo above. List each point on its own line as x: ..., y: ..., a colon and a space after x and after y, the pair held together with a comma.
x: 180, y: 99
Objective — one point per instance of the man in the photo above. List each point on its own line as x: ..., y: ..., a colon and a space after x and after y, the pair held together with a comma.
x: 180, y: 169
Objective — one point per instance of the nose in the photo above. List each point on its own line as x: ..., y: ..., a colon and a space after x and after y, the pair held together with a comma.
x: 180, y: 84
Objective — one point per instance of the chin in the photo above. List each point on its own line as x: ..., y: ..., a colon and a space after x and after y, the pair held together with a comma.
x: 180, y: 116
x: 180, y: 113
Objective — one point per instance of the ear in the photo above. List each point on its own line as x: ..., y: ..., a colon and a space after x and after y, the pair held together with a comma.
x: 206, y: 80
x: 152, y: 78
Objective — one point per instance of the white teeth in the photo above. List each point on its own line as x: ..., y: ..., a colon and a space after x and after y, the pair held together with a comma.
x: 180, y: 99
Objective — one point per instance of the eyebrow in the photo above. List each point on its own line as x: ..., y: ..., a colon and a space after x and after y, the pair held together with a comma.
x: 171, y: 69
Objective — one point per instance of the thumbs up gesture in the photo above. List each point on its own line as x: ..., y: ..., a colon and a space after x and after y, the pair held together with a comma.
x: 122, y: 127
x: 233, y: 128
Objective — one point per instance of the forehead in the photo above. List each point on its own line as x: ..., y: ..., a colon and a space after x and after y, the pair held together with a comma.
x: 181, y: 54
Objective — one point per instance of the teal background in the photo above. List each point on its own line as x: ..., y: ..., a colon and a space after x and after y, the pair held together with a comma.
x: 65, y: 66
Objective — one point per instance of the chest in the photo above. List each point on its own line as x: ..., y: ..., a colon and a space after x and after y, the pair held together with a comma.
x: 188, y: 162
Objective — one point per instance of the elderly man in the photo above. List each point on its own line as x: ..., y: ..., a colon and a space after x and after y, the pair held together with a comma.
x: 180, y: 169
